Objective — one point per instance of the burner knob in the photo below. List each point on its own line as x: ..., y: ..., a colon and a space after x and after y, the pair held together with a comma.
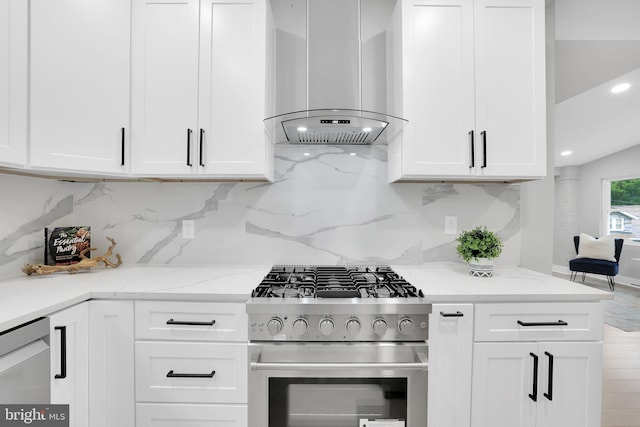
x: 379, y: 327
x: 406, y: 326
x: 300, y: 326
x: 326, y: 327
x: 274, y: 326
x: 353, y: 327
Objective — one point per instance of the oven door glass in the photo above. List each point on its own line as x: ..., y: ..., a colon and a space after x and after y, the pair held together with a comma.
x: 336, y: 402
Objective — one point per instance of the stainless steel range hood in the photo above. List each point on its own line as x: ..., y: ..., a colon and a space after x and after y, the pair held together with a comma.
x: 331, y: 73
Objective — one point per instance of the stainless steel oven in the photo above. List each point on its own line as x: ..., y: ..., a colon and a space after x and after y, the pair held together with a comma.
x: 336, y: 346
x: 337, y: 385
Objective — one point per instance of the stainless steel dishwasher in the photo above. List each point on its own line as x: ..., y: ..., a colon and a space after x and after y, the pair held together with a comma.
x: 24, y: 363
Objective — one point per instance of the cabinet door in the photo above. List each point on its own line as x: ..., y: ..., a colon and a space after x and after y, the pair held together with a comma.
x: 503, y: 378
x: 438, y: 88
x: 111, y: 355
x: 79, y: 88
x: 164, y: 93
x: 14, y: 20
x: 231, y: 139
x: 510, y: 87
x: 573, y: 397
x: 69, y: 362
x: 450, y: 347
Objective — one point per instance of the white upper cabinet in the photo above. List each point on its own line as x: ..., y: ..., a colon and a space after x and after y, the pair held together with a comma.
x: 79, y: 85
x: 198, y: 95
x: 473, y: 90
x: 13, y: 81
x: 164, y: 93
x: 232, y: 89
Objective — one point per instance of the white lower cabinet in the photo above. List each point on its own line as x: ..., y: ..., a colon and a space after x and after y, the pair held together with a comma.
x: 450, y: 346
x: 197, y: 372
x: 69, y: 335
x: 190, y: 364
x: 111, y: 367
x: 183, y: 415
x: 525, y: 382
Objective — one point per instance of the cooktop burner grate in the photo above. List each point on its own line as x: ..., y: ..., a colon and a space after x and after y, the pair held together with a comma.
x: 334, y: 282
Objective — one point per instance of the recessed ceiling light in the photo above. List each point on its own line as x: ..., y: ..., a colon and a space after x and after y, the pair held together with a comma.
x: 366, y: 129
x: 566, y: 153
x: 302, y: 129
x: 352, y: 154
x: 620, y: 88
x: 306, y: 154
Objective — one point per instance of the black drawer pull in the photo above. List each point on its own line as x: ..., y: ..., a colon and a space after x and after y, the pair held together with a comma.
x: 171, y: 374
x: 558, y: 323
x: 63, y: 352
x: 456, y: 314
x: 183, y: 322
x: 534, y: 395
x: 549, y: 393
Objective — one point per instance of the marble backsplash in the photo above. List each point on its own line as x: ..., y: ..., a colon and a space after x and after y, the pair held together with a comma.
x: 328, y: 205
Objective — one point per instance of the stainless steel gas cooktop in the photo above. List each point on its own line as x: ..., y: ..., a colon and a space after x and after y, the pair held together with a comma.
x: 337, y: 303
x: 334, y: 282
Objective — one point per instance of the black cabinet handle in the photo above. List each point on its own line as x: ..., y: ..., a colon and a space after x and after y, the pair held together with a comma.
x: 484, y: 148
x: 201, y: 147
x: 171, y: 374
x: 534, y: 395
x: 63, y: 352
x: 473, y: 150
x: 558, y: 323
x: 456, y: 314
x: 122, y: 147
x: 549, y: 393
x: 182, y: 322
x: 189, y: 147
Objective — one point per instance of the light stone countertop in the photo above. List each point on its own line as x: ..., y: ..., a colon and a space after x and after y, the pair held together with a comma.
x: 27, y: 297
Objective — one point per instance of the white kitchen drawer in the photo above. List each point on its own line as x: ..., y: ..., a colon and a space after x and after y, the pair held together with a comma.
x: 191, y: 321
x: 155, y: 360
x: 539, y: 322
x: 168, y: 415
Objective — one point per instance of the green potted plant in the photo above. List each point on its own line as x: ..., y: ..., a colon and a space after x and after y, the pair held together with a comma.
x: 478, y: 247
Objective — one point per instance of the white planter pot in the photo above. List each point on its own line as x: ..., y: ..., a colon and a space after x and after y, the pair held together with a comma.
x: 481, y: 267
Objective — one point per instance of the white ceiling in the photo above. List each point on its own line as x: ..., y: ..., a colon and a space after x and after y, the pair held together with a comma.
x: 597, y: 46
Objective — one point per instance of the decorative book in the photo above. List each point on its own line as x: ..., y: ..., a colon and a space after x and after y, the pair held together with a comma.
x: 62, y: 245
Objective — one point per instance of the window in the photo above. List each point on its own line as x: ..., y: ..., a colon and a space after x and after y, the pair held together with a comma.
x: 622, y: 208
x: 616, y: 224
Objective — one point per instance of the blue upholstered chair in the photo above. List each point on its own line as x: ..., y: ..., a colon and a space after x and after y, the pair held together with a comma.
x: 596, y: 266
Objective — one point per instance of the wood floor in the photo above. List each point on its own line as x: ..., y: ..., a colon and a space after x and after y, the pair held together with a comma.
x: 621, y: 361
x: 621, y: 378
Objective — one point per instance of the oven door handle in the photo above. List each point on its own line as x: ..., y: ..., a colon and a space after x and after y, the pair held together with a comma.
x: 255, y: 365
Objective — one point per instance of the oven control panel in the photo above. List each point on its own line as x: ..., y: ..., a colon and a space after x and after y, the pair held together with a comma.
x: 339, y: 327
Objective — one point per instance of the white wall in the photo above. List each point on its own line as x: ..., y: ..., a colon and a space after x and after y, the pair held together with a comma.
x: 538, y: 196
x: 327, y: 207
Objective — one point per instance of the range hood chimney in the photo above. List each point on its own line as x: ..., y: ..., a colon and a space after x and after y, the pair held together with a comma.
x: 331, y: 73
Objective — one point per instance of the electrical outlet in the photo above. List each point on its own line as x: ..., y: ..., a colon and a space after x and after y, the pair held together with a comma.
x: 188, y: 229
x: 450, y: 225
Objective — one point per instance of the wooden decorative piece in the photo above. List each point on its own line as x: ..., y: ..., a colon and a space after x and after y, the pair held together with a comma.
x: 84, y: 264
